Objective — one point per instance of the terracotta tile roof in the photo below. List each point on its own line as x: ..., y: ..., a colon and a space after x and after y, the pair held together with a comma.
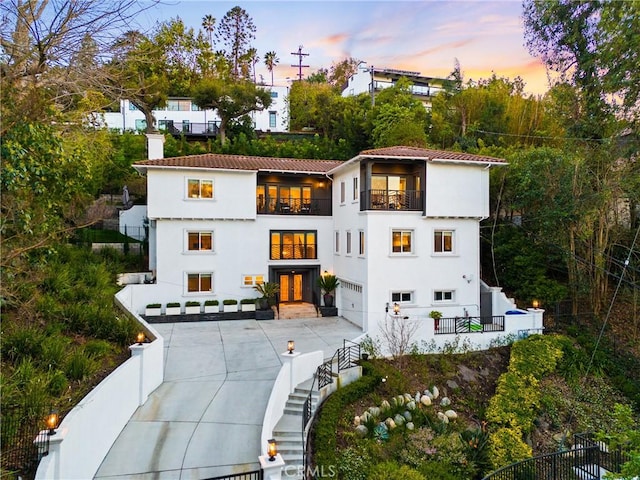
x: 415, y: 152
x: 243, y: 162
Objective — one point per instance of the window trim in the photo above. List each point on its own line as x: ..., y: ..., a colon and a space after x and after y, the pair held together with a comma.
x: 361, y: 243
x: 411, y: 252
x: 306, y: 246
x: 348, y: 240
x: 200, y: 197
x: 343, y: 192
x: 254, y: 279
x: 411, y: 294
x: 444, y: 300
x: 198, y: 292
x: 354, y: 185
x: 188, y: 232
x: 336, y: 243
x: 443, y: 231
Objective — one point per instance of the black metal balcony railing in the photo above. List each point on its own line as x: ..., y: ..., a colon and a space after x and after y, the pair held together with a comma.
x: 293, y: 206
x: 209, y: 129
x: 392, y: 200
x: 454, y: 325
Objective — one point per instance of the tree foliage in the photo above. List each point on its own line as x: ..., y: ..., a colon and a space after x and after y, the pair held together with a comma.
x: 235, y: 32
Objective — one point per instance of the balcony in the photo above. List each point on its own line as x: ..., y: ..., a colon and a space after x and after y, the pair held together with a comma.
x: 192, y: 129
x: 408, y: 200
x: 293, y: 206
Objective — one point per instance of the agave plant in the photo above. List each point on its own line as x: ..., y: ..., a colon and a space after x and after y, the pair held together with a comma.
x: 268, y: 290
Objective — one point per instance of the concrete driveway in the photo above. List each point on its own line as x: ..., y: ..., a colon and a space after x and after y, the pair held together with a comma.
x: 205, y: 420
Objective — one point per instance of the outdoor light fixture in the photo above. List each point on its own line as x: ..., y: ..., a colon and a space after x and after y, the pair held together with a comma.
x: 386, y: 307
x: 290, y: 346
x: 535, y: 303
x: 140, y: 338
x: 325, y: 273
x: 396, y: 309
x: 272, y: 449
x: 52, y: 422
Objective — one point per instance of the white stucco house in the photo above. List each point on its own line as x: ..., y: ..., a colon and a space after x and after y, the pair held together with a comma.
x: 398, y: 226
x: 372, y: 80
x: 181, y: 116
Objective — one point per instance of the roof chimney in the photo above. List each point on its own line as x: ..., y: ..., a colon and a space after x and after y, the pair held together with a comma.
x: 155, y: 146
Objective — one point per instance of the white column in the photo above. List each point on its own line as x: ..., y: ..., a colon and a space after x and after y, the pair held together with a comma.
x: 289, y: 359
x: 138, y: 351
x: 272, y: 468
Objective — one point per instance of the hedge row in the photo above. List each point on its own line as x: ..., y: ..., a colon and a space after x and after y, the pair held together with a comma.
x: 513, y: 409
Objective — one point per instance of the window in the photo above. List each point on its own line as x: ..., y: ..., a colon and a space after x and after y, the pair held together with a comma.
x: 443, y: 296
x: 290, y: 245
x: 197, y: 188
x: 141, y: 124
x: 200, y: 282
x: 274, y: 94
x: 185, y: 126
x: 272, y: 119
x: 355, y: 188
x: 402, y: 297
x: 401, y: 241
x: 337, y: 244
x: 283, y: 199
x: 343, y: 192
x: 348, y: 242
x: 361, y: 246
x: 443, y: 241
x: 200, y: 241
x: 178, y: 105
x: 132, y: 106
x: 252, y: 280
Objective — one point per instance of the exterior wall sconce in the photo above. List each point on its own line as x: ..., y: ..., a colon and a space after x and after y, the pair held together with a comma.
x: 272, y: 449
x: 535, y: 303
x: 386, y: 307
x: 140, y: 338
x: 396, y: 309
x: 290, y: 346
x: 52, y: 422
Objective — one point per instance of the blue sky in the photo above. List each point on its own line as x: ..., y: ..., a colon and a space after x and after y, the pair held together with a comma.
x: 424, y: 36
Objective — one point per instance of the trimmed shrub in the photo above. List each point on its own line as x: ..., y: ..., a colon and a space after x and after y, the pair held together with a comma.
x: 506, y: 447
x: 393, y: 471
x: 230, y: 301
x: 209, y: 303
x: 192, y: 303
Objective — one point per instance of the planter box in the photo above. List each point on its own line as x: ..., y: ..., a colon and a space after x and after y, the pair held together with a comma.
x: 248, y: 307
x: 153, y: 312
x: 230, y: 308
x: 265, y: 314
x: 172, y: 311
x: 192, y: 309
x: 211, y: 308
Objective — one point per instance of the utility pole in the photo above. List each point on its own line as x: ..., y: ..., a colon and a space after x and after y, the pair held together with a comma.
x: 300, y: 66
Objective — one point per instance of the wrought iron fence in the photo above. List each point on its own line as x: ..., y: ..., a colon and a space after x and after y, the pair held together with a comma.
x: 22, y: 443
x: 584, y: 460
x: 255, y: 475
x: 392, y: 200
x: 455, y: 325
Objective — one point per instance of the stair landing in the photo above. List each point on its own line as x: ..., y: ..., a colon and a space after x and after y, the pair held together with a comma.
x: 297, y: 310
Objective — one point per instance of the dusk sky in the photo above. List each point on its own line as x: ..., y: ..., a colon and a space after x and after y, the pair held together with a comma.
x: 423, y: 36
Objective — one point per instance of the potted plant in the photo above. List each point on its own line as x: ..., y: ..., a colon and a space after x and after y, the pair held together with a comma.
x: 248, y: 304
x: 153, y: 310
x: 230, y: 305
x: 173, y: 308
x: 436, y: 315
x: 211, y: 306
x: 269, y: 291
x: 192, y: 307
x: 328, y: 284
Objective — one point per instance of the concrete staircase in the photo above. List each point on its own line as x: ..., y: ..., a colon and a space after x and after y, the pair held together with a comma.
x: 297, y: 310
x: 288, y: 430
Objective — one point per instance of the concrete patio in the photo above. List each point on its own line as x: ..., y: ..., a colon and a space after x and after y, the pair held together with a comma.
x: 205, y: 419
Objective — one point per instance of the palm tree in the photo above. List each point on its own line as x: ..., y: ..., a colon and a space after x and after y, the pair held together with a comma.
x: 208, y: 23
x: 271, y: 60
x: 252, y: 55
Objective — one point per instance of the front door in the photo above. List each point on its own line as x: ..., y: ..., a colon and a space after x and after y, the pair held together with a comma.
x: 290, y: 287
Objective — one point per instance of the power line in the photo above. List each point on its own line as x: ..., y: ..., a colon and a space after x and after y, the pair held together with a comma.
x: 300, y: 66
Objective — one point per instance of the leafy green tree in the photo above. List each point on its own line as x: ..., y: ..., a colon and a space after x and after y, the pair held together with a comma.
x: 340, y: 72
x: 235, y: 32
x: 232, y: 100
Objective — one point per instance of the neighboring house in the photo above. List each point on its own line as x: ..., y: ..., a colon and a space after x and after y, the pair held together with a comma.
x: 397, y: 225
x: 373, y: 80
x: 182, y: 116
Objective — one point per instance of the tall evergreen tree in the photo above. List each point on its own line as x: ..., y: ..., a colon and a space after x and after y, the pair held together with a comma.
x: 235, y: 32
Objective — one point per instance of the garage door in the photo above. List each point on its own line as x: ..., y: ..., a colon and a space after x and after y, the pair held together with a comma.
x: 351, y: 302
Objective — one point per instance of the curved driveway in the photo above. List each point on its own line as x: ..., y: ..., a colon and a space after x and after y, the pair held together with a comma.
x: 205, y: 419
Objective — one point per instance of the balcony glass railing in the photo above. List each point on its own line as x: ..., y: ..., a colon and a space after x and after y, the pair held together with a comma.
x: 293, y: 206
x: 392, y: 200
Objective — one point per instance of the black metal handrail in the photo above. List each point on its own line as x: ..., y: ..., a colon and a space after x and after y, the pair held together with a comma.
x: 454, y: 325
x: 293, y: 206
x: 392, y: 200
x: 345, y: 357
x: 254, y: 475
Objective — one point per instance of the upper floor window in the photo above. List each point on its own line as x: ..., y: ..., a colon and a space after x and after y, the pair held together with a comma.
x: 337, y: 243
x: 443, y: 241
x: 175, y: 105
x: 402, y: 241
x: 355, y: 188
x: 197, y: 188
x: 290, y: 245
x: 361, y: 243
x: 200, y: 241
x: 272, y: 119
x: 274, y: 94
x: 199, y: 282
x: 343, y: 192
x: 348, y: 242
x: 402, y: 297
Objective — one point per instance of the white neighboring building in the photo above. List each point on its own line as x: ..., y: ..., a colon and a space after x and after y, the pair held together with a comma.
x: 372, y: 80
x: 181, y: 115
x: 399, y: 227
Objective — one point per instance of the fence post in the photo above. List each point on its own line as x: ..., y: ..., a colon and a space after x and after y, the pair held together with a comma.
x: 51, y: 460
x: 290, y: 358
x: 271, y: 469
